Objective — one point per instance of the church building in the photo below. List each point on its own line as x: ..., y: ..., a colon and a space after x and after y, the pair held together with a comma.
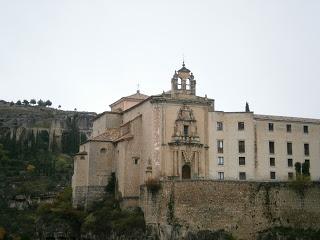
x: 178, y: 135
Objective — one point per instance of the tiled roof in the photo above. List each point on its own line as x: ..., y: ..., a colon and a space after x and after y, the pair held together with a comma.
x: 286, y: 119
x: 109, y: 135
x: 124, y: 137
x: 138, y: 95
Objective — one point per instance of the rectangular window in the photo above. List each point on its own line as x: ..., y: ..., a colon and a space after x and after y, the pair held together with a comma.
x: 272, y: 175
x: 272, y: 162
x: 290, y: 162
x: 221, y: 175
x: 186, y: 130
x: 136, y: 160
x: 290, y: 175
x: 288, y: 127
x: 241, y: 146
x: 220, y: 161
x: 242, y: 161
x: 242, y: 176
x: 220, y: 146
x: 271, y: 127
x: 219, y: 126
x: 271, y: 147
x: 305, y: 129
x: 306, y: 149
x: 289, y: 148
x: 240, y: 126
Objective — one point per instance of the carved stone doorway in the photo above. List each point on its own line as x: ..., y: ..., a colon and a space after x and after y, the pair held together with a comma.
x: 186, y: 172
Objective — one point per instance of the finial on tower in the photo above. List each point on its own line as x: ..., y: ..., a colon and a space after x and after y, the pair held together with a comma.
x: 138, y: 88
x: 183, y: 65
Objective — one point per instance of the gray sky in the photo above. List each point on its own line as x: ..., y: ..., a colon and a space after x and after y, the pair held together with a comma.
x: 87, y: 54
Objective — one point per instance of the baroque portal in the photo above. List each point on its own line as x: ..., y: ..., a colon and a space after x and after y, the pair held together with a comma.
x: 186, y: 147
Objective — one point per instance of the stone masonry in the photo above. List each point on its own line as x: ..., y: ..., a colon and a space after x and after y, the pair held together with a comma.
x: 241, y: 208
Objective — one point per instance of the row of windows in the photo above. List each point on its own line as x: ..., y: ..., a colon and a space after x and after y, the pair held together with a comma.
x: 289, y: 148
x: 272, y: 161
x: 242, y: 147
x: 289, y: 128
x: 220, y: 126
x: 271, y: 127
x: 243, y: 175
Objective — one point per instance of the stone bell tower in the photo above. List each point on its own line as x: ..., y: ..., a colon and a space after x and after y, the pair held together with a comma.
x: 183, y: 83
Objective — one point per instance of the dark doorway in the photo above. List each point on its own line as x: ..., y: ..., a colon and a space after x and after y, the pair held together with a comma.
x: 186, y: 172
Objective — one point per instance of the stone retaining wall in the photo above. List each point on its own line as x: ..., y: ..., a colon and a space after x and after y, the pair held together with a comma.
x: 241, y: 208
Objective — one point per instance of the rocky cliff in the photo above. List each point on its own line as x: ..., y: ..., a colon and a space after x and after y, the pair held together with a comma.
x: 17, y: 121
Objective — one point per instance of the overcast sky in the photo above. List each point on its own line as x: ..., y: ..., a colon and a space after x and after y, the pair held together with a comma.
x: 87, y: 54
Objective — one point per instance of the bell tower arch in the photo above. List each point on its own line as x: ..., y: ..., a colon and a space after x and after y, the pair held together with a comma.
x: 183, y: 82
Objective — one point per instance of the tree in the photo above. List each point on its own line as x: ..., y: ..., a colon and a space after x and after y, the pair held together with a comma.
x: 41, y: 103
x: 48, y: 103
x: 25, y: 102
x: 18, y: 102
x: 11, y: 103
x: 71, y: 136
x: 247, y: 107
x: 306, y: 169
x: 59, y: 106
x: 33, y: 101
x: 297, y: 166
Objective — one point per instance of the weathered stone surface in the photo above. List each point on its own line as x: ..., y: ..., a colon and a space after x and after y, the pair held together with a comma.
x: 241, y: 208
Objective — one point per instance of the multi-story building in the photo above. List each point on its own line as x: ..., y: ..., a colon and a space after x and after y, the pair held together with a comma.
x: 178, y: 135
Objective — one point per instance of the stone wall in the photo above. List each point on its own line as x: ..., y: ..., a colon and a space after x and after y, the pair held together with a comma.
x: 241, y: 208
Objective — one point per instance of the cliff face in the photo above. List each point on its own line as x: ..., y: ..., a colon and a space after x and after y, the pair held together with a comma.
x: 18, y: 121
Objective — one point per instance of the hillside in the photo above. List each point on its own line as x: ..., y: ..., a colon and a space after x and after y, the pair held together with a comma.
x: 20, y: 121
x: 36, y: 147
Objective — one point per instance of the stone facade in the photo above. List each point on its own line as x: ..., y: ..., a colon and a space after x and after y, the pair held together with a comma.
x: 241, y: 208
x: 177, y: 135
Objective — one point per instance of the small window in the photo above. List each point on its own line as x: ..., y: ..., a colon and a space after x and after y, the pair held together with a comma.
x: 289, y: 148
x: 103, y: 150
x: 306, y: 149
x: 242, y: 161
x: 241, y: 146
x: 272, y: 175
x: 136, y: 160
x: 305, y: 129
x: 272, y: 162
x: 220, y: 146
x: 82, y: 158
x: 240, y: 126
x: 242, y: 176
x: 271, y: 127
x: 219, y: 126
x: 290, y: 162
x: 220, y: 161
x: 186, y: 130
x: 288, y: 127
x: 221, y: 175
x: 271, y: 147
x: 290, y: 175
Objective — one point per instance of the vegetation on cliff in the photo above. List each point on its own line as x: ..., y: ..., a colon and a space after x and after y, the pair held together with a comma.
x: 102, y: 219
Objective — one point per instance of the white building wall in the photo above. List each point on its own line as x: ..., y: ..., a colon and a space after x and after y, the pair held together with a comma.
x: 280, y: 136
x: 230, y: 135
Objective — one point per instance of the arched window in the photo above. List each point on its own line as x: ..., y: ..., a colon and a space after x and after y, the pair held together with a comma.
x: 103, y: 151
x: 82, y: 158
